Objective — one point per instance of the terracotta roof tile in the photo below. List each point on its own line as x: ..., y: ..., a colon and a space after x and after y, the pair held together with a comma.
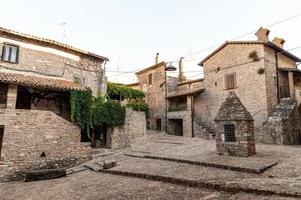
x: 269, y: 44
x: 52, y: 42
x: 39, y: 82
x: 185, y: 93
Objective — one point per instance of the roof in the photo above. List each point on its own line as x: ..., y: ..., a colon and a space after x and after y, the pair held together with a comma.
x: 190, y: 81
x: 132, y: 84
x: 39, y: 82
x: 185, y: 93
x: 233, y: 110
x: 150, y: 68
x: 269, y: 44
x: 51, y: 42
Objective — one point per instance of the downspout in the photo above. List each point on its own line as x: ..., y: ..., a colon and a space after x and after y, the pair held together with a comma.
x: 277, y: 78
x: 192, y: 115
x: 166, y: 102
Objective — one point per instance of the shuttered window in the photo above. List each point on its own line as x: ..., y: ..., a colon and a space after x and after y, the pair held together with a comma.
x: 150, y: 79
x: 3, y: 94
x: 10, y: 53
x: 230, y: 81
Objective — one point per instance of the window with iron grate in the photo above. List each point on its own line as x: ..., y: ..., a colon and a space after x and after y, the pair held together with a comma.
x: 229, y: 132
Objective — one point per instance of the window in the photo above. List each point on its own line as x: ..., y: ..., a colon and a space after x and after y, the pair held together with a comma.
x: 229, y: 132
x: 3, y: 94
x: 10, y: 53
x: 230, y: 81
x: 78, y: 80
x: 150, y: 79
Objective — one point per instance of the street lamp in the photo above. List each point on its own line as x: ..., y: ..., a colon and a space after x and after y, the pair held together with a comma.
x: 168, y: 68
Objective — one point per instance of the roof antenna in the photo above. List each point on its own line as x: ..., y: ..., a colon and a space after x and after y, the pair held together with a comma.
x: 64, y: 29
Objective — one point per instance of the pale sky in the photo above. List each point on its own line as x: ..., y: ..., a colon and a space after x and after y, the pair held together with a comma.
x: 130, y: 32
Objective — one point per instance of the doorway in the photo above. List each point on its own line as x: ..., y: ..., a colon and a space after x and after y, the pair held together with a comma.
x: 158, y: 124
x: 175, y: 127
x: 1, y: 137
x: 23, y: 98
x: 99, y: 139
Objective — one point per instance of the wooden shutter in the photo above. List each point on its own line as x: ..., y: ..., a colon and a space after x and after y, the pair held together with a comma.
x: 230, y: 81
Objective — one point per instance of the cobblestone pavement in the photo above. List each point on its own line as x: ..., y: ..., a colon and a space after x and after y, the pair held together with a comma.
x: 286, y: 175
x: 91, y: 185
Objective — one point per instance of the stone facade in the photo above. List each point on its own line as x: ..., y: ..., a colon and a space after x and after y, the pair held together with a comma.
x: 39, y: 136
x: 257, y: 91
x: 233, y: 116
x: 30, y: 133
x: 134, y: 129
x: 40, y: 58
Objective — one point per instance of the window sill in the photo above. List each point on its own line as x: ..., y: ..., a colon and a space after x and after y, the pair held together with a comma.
x: 230, y: 143
x: 231, y: 89
x: 9, y: 62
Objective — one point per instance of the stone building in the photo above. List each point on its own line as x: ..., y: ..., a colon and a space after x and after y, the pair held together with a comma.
x: 234, y: 128
x: 262, y: 74
x: 36, y: 76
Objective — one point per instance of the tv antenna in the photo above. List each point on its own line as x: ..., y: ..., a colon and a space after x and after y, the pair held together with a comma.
x: 64, y: 29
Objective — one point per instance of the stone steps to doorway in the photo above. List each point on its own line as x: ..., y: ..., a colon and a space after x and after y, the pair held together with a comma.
x: 101, y: 152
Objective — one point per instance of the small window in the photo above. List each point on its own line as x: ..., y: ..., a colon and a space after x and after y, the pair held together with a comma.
x: 230, y: 81
x: 10, y: 53
x: 3, y: 94
x: 78, y: 80
x: 150, y: 79
x: 229, y: 132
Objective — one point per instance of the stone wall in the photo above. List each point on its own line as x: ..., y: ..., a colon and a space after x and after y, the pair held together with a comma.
x: 258, y: 92
x: 133, y: 129
x: 154, y: 94
x: 41, y: 59
x: 251, y: 87
x: 30, y: 133
x: 187, y: 123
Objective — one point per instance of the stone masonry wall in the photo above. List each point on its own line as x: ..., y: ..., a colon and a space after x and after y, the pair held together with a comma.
x: 133, y: 129
x: 29, y: 133
x: 251, y: 87
x: 47, y: 60
x: 154, y: 94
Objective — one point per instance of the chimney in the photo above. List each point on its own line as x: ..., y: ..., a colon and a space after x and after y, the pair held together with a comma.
x: 278, y: 42
x: 262, y: 34
x: 181, y: 76
x: 157, y: 58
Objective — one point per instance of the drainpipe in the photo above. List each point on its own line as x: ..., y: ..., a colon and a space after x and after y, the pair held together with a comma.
x: 277, y: 78
x: 166, y: 102
x: 192, y: 115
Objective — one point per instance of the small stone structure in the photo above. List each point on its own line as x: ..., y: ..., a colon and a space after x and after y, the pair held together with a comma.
x: 235, y: 128
x: 134, y: 129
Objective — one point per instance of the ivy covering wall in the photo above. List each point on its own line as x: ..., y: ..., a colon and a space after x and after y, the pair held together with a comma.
x: 89, y: 112
x: 121, y: 92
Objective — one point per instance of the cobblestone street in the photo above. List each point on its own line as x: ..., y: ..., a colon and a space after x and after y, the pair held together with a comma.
x: 88, y: 184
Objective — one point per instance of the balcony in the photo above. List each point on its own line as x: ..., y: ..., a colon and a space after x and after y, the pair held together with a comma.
x: 174, y: 108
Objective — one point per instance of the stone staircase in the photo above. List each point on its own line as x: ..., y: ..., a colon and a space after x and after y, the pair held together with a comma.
x: 202, y: 130
x: 283, y: 123
x: 283, y: 109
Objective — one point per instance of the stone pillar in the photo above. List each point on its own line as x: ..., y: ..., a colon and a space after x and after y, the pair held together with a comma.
x: 12, y: 96
x: 291, y: 84
x: 189, y: 103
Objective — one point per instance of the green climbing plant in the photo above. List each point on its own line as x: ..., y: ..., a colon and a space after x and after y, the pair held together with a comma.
x: 121, y: 92
x: 81, y: 109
